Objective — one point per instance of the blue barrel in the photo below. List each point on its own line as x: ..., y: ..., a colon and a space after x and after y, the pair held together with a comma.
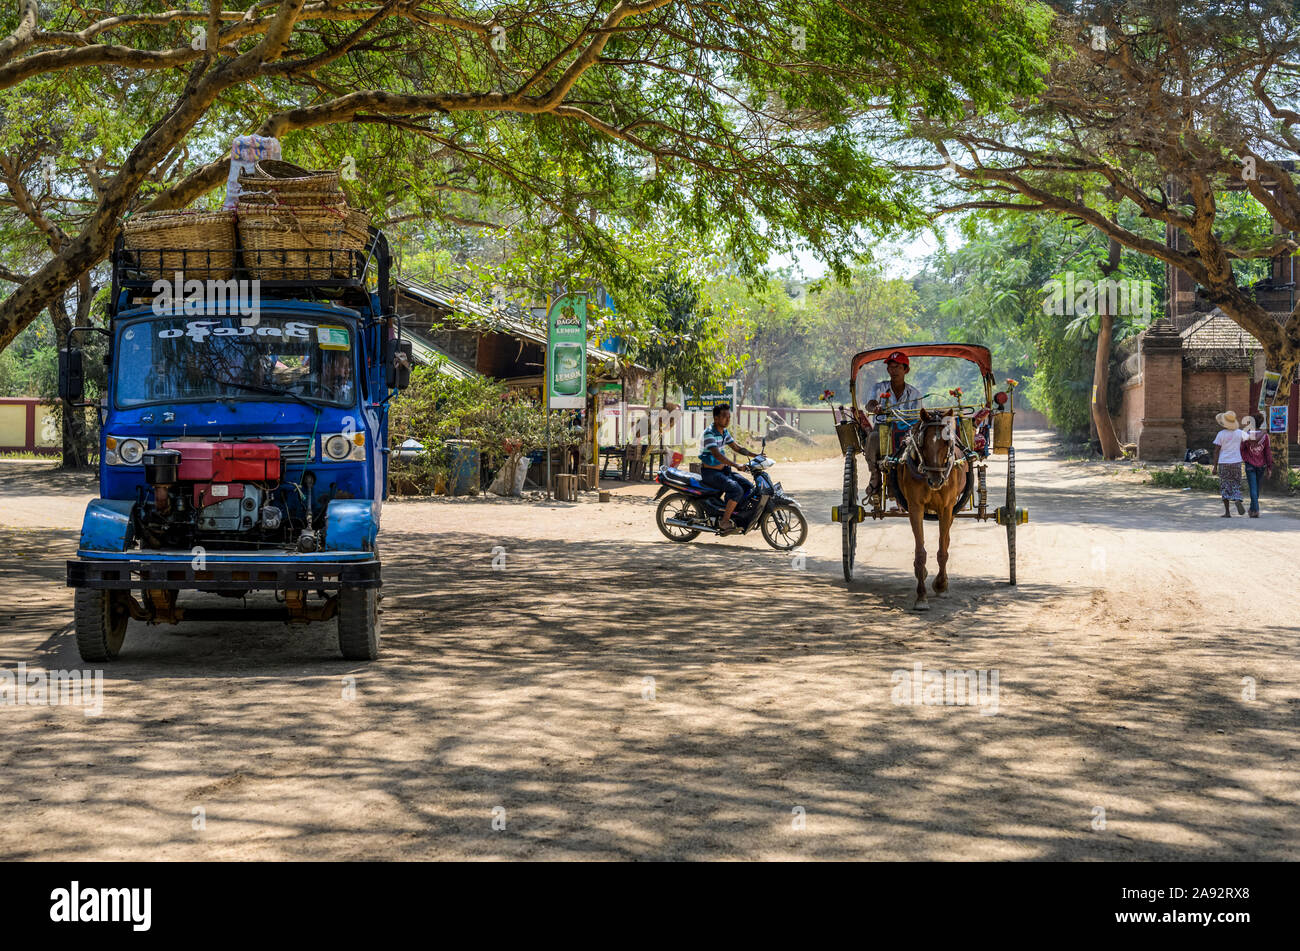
x: 464, y: 466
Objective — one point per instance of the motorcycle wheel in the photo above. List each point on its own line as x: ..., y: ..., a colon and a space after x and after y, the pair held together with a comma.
x: 784, y: 527
x: 676, y: 505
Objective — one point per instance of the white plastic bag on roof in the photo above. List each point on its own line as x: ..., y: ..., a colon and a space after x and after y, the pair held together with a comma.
x: 246, y: 151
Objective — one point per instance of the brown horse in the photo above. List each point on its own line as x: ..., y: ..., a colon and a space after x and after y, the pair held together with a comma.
x: 932, y: 472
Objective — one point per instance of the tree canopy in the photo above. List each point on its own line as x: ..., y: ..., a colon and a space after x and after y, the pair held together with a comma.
x: 735, y: 119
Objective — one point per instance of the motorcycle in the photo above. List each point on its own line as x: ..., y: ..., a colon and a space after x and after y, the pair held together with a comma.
x: 689, y: 507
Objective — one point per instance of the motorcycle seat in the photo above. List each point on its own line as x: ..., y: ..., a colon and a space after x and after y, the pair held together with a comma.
x: 685, y: 480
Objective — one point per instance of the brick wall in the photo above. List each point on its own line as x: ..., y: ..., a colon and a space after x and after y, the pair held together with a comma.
x: 1206, y: 394
x: 1162, y: 436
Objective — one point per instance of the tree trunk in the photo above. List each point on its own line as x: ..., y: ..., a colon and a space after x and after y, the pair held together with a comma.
x: 1281, y: 442
x: 73, y: 418
x: 1100, y: 387
x: 1101, y: 364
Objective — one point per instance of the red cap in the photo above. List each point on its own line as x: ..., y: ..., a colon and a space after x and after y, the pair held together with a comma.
x: 898, y: 356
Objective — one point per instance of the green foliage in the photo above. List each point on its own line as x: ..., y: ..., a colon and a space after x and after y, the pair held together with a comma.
x: 681, y: 334
x: 1180, y: 477
x: 1244, y: 223
x: 792, y: 341
x: 995, y: 290
x: 437, y: 407
x: 732, y: 124
x: 30, y: 367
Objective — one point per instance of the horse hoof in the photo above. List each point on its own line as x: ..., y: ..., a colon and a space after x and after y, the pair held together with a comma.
x: 922, y: 606
x: 941, y: 594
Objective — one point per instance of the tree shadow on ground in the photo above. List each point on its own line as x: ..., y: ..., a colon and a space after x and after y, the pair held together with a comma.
x: 772, y: 690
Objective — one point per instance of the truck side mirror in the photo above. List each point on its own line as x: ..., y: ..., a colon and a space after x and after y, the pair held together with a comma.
x: 399, y: 366
x: 72, y: 377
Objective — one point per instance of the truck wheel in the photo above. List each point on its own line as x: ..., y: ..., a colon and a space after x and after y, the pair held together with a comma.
x: 359, y: 623
x: 99, y: 618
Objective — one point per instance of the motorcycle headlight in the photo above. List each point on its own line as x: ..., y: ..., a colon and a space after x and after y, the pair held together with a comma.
x: 123, y: 452
x: 343, y: 447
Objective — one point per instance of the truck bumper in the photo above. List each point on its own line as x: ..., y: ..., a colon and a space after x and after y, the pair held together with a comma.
x: 224, y: 571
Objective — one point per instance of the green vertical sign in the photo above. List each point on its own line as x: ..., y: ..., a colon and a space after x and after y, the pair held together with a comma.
x: 566, y: 363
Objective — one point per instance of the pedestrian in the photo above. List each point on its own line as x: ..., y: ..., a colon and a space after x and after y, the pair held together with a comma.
x: 1257, y: 454
x: 1227, y: 461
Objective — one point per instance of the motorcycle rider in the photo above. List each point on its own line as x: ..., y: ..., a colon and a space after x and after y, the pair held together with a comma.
x: 715, y: 467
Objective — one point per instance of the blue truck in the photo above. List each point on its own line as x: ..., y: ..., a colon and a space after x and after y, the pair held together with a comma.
x: 243, y: 442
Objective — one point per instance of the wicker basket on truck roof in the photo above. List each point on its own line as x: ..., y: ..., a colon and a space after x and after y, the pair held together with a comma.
x: 167, y: 242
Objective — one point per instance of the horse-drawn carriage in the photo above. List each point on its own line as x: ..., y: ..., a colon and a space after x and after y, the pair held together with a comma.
x: 932, y: 458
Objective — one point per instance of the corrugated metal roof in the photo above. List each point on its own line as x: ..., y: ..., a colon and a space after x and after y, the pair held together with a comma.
x: 428, y: 354
x: 507, y: 318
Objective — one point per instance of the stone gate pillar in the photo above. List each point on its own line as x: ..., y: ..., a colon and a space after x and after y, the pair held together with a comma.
x: 1162, y: 438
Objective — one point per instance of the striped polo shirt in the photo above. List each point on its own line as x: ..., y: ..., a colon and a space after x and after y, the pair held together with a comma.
x: 714, y: 440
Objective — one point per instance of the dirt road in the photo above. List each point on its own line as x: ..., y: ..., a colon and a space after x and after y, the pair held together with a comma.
x: 609, y: 695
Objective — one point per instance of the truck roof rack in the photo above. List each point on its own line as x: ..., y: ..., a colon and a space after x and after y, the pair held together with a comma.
x: 291, y: 273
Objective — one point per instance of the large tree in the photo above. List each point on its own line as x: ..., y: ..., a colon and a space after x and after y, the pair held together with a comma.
x: 718, y: 115
x: 1159, y: 108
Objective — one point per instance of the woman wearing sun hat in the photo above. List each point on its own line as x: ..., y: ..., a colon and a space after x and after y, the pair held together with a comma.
x: 1257, y: 454
x: 1227, y: 461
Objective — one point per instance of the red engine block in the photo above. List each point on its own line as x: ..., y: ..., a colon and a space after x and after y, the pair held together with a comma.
x: 227, y: 461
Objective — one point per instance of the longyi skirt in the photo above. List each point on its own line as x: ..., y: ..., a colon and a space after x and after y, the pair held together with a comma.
x: 1230, y: 481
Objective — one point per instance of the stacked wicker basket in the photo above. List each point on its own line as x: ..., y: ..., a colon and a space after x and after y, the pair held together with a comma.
x: 296, y: 225
x: 293, y: 225
x: 187, y: 241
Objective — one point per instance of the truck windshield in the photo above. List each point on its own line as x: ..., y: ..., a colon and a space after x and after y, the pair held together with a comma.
x: 189, y: 359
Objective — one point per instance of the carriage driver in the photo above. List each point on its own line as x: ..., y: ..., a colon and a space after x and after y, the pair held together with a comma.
x: 894, y: 393
x: 715, y: 467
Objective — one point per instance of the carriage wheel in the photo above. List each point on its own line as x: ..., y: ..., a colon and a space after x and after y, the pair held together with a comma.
x: 1011, y: 511
x: 848, y: 512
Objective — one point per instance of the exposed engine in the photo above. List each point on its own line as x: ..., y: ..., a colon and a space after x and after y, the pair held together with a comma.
x: 227, y: 491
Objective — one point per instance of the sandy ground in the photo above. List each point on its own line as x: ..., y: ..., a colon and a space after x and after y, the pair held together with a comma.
x: 522, y: 697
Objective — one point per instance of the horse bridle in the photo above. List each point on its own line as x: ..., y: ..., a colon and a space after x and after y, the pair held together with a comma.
x: 916, y: 460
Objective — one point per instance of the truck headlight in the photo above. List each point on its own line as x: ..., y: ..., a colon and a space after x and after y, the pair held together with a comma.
x: 343, y: 447
x: 123, y: 452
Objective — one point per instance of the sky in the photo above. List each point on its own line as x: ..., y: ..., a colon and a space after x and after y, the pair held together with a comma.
x: 899, y: 259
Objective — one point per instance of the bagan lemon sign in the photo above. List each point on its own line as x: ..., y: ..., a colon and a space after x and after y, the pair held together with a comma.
x: 566, y: 363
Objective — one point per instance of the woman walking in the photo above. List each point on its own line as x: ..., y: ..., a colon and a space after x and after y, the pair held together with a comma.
x: 1257, y: 454
x: 1227, y: 461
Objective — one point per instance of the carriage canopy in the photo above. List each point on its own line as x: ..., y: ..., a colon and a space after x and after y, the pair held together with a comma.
x: 976, y: 354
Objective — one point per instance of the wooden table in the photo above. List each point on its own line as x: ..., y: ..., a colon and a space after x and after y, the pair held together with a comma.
x: 613, y: 452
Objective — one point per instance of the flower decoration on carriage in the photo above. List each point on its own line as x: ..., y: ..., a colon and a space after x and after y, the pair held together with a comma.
x: 828, y: 395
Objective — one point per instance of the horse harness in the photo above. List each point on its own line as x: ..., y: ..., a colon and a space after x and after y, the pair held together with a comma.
x: 911, y: 455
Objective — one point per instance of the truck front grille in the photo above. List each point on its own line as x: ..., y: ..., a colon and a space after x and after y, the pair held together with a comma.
x: 295, y: 451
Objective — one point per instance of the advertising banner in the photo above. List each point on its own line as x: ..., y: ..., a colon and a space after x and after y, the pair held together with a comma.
x: 1269, y: 390
x: 566, y: 352
x: 1277, y: 419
